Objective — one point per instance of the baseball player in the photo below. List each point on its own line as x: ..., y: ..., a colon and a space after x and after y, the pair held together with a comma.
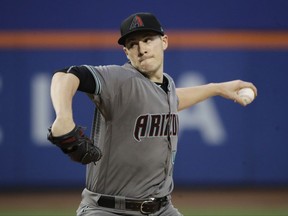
x: 131, y: 152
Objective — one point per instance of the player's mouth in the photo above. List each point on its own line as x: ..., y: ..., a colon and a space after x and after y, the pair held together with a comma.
x: 142, y: 59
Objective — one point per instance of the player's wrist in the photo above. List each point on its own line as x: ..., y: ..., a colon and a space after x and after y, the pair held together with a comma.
x: 214, y: 89
x: 62, y: 126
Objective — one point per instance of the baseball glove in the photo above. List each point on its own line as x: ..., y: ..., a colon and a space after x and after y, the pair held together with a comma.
x: 77, y: 146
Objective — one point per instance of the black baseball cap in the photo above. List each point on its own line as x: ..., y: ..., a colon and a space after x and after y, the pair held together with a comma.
x: 139, y: 22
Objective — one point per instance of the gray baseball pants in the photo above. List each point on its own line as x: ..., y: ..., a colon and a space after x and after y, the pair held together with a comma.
x: 89, y: 207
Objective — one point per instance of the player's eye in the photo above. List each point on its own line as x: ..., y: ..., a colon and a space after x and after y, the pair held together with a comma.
x: 131, y: 44
x: 148, y: 39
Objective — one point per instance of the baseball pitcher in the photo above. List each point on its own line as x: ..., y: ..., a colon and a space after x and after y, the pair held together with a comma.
x: 131, y: 151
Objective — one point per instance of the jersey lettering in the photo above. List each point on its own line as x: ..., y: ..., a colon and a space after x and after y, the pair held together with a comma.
x: 141, y: 125
x: 156, y: 125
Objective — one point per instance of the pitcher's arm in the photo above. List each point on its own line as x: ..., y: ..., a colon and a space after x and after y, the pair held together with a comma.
x: 63, y: 88
x: 193, y: 95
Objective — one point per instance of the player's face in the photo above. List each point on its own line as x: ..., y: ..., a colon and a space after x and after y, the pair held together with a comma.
x: 146, y: 53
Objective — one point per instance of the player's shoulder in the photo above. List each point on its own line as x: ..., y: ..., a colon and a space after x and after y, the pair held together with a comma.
x: 117, y: 71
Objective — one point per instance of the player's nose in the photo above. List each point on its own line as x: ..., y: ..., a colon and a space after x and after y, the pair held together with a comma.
x: 142, y: 47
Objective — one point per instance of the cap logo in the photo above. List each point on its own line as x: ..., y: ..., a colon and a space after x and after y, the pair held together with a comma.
x: 136, y: 22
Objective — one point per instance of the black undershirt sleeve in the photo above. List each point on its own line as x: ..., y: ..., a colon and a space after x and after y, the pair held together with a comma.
x: 87, y: 82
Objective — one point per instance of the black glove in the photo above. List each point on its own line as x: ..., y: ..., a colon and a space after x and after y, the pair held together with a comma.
x: 78, y: 146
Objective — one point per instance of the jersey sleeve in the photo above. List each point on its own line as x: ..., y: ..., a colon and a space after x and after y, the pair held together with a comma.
x: 88, y: 82
x: 109, y: 79
x: 98, y: 80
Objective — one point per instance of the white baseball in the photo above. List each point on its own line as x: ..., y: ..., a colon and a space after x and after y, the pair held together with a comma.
x: 247, y: 95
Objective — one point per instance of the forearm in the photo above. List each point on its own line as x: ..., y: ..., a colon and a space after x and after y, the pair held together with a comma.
x: 63, y: 88
x: 229, y: 90
x: 193, y: 95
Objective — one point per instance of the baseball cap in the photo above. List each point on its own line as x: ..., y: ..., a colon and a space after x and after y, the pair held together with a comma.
x: 139, y: 22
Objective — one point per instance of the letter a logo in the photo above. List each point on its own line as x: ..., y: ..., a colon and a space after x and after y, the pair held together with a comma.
x: 136, y: 22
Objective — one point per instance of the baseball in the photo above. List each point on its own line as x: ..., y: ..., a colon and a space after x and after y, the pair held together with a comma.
x: 247, y: 95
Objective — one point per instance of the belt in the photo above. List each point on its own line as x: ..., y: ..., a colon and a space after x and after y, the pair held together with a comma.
x: 148, y: 206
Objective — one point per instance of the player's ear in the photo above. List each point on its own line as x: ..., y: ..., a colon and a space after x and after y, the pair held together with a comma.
x: 165, y: 42
x: 126, y: 53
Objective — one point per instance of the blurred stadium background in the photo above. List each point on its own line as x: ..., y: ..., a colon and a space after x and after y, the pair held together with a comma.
x: 230, y: 161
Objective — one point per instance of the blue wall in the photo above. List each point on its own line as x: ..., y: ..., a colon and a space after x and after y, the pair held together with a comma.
x: 221, y: 143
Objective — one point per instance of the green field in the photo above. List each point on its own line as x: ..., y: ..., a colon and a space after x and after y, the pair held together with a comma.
x: 236, y: 202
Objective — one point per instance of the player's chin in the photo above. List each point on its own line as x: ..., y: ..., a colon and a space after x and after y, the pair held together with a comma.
x: 146, y: 72
x: 143, y: 69
x: 147, y: 68
x: 147, y: 65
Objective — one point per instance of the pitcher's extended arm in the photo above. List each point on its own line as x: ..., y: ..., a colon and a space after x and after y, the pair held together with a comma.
x: 193, y: 95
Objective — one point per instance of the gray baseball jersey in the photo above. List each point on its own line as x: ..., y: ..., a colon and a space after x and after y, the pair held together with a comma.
x: 136, y: 126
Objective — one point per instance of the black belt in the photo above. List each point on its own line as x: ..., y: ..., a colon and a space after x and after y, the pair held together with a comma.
x: 148, y: 206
